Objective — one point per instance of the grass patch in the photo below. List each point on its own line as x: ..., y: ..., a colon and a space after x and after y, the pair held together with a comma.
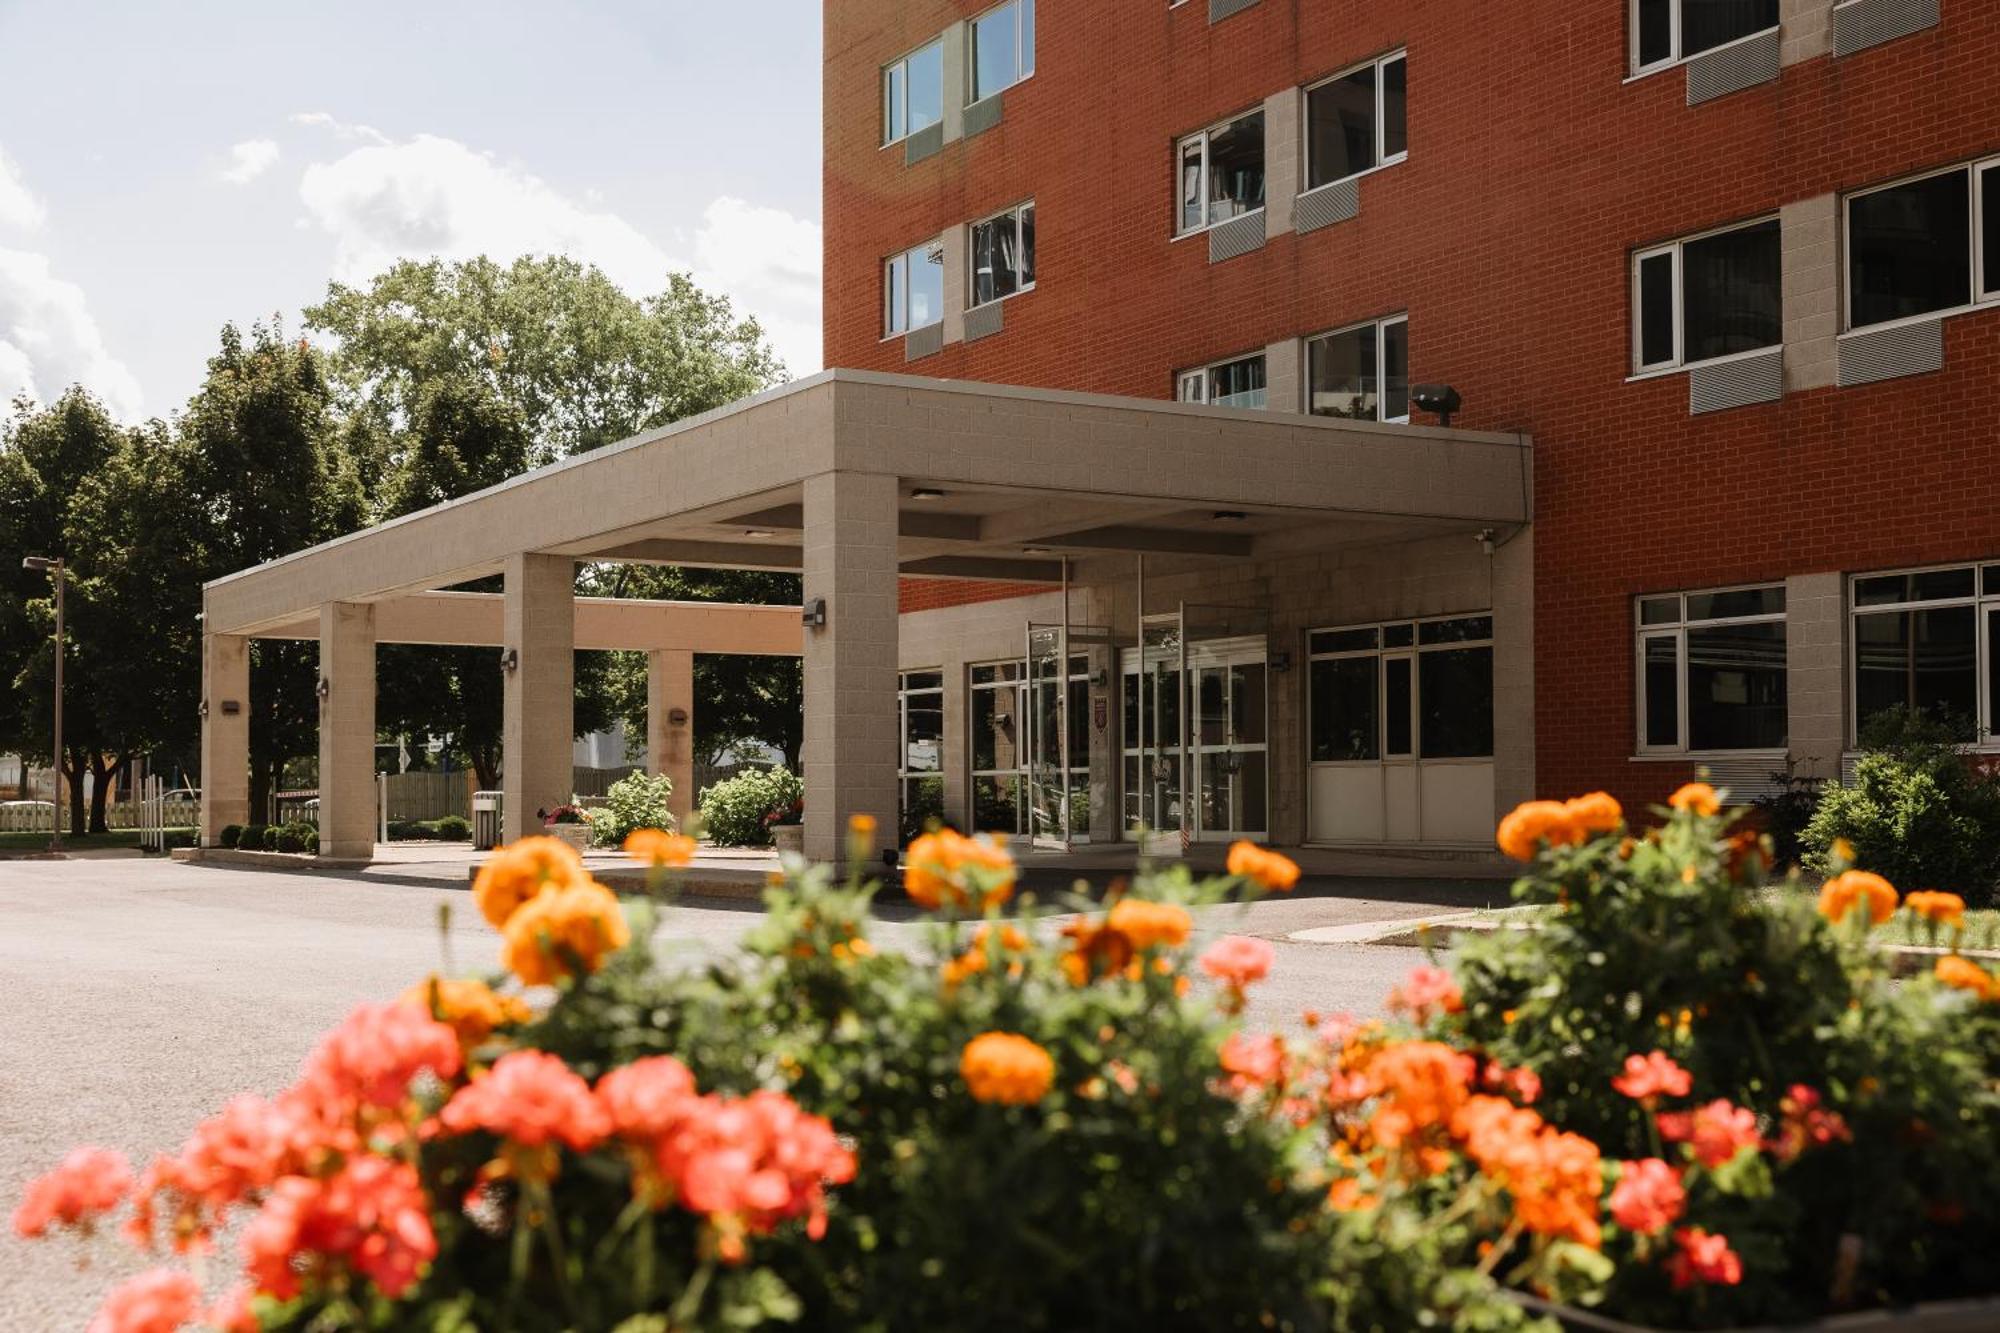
x: 77, y: 842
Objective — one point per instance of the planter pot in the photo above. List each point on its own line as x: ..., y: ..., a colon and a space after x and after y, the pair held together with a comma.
x: 576, y: 835
x: 788, y: 837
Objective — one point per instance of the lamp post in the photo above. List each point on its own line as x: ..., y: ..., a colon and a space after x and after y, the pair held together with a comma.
x: 54, y: 568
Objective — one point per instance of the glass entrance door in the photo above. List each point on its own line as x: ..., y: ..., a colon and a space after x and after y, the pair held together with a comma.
x: 1155, y: 741
x: 1229, y: 695
x: 1196, y: 728
x: 1056, y: 767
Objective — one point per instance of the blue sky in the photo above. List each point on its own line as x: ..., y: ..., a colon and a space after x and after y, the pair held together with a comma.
x: 165, y: 167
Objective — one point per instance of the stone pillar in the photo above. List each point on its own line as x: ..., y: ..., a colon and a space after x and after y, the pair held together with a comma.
x: 538, y: 731
x: 347, y: 730
x: 1805, y: 30
x: 1283, y: 117
x: 957, y: 84
x: 1809, y: 262
x: 957, y: 247
x: 957, y: 757
x: 850, y: 662
x: 670, y: 743
x: 1513, y: 567
x: 1284, y: 375
x: 225, y: 734
x: 1815, y: 673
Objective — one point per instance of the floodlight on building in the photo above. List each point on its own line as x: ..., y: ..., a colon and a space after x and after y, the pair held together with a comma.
x: 813, y: 614
x: 510, y: 658
x: 1441, y: 399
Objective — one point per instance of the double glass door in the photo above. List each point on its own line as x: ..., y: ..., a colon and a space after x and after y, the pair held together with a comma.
x: 1196, y: 727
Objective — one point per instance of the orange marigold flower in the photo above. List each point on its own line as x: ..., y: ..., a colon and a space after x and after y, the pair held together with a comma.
x: 1425, y: 991
x: 945, y: 867
x: 862, y: 826
x: 1946, y: 909
x: 563, y: 928
x: 1262, y: 866
x: 1651, y: 1076
x: 1701, y: 1257
x: 1150, y: 925
x: 87, y: 1182
x: 1529, y: 825
x: 1553, y: 1176
x: 160, y: 1300
x: 657, y: 847
x: 468, y: 1006
x: 520, y: 871
x: 1421, y: 1085
x: 530, y: 1098
x: 1857, y: 888
x: 1593, y: 814
x: 1238, y: 960
x: 1252, y: 1062
x: 1648, y: 1197
x: 1006, y: 1068
x: 1696, y: 798
x: 1964, y: 974
x: 1347, y: 1196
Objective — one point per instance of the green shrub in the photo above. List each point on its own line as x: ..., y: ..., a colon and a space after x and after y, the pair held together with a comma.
x: 1916, y: 811
x: 292, y: 837
x: 734, y: 811
x: 453, y: 829
x: 923, y: 807
x: 230, y: 833
x: 403, y: 830
x: 250, y: 838
x: 633, y: 802
x: 271, y: 833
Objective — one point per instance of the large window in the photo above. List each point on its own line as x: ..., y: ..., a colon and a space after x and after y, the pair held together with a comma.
x: 1664, y: 31
x: 1362, y: 373
x: 1924, y: 245
x: 1003, y: 47
x: 1712, y: 671
x: 1408, y: 691
x: 1003, y: 254
x: 1222, y: 172
x: 913, y: 289
x: 921, y: 769
x: 1356, y: 121
x: 1238, y: 383
x: 1929, y: 639
x: 913, y: 93
x: 999, y: 748
x: 1711, y: 296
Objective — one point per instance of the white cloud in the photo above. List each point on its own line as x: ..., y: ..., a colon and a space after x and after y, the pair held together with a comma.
x: 768, y: 262
x: 249, y: 160
x: 49, y: 339
x: 340, y: 129
x: 18, y: 208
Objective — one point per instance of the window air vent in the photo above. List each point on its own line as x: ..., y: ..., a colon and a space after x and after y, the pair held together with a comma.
x: 926, y: 142
x: 1887, y: 354
x: 1860, y: 24
x: 982, y: 115
x: 1238, y: 236
x: 1327, y: 205
x: 984, y: 321
x: 1219, y: 10
x: 918, y: 343
x: 1732, y: 68
x: 1739, y: 383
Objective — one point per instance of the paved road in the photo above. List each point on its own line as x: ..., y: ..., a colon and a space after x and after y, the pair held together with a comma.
x: 136, y: 997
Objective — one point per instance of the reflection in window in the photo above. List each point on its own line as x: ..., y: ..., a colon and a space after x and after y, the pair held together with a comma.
x: 1715, y: 295
x: 913, y: 93
x: 1356, y: 122
x: 1003, y: 47
x: 1238, y: 383
x: 913, y: 289
x: 1909, y: 249
x: 1924, y: 659
x: 1712, y: 671
x: 1435, y: 702
x: 1667, y: 30
x: 1003, y: 254
x: 1222, y: 172
x: 1362, y: 373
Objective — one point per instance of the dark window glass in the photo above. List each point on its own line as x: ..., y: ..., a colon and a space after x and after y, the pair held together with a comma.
x: 1993, y: 671
x: 1396, y: 705
x: 1706, y: 24
x: 1343, y: 640
x: 1663, y: 693
x: 1730, y: 293
x: 1343, y: 371
x: 893, y: 81
x: 924, y: 680
x: 995, y: 256
x: 1660, y: 611
x: 1079, y: 723
x: 1929, y: 586
x: 1395, y: 108
x: 1398, y: 636
x: 1248, y: 688
x: 1736, y: 687
x: 1236, y: 168
x: 1396, y: 370
x: 1656, y: 31
x: 1656, y: 309
x: 1345, y: 724
x: 1992, y: 579
x: 1027, y: 237
x: 1989, y: 227
x: 1742, y: 602
x: 1919, y: 659
x: 1908, y: 249
x: 1465, y: 629
x: 1340, y: 128
x: 1455, y: 689
x: 995, y: 730
x: 1238, y: 384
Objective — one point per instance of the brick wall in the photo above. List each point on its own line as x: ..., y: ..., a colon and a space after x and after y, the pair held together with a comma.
x: 1535, y: 168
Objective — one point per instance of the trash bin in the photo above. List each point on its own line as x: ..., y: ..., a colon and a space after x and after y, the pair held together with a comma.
x: 485, y: 820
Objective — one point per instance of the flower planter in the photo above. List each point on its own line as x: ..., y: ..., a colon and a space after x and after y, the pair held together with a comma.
x: 576, y: 835
x: 788, y: 837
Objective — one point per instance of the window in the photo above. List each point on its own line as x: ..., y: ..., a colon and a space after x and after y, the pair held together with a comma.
x: 921, y: 704
x: 1222, y: 172
x: 1356, y: 122
x: 1924, y: 245
x: 1361, y: 373
x: 1401, y: 691
x: 1003, y: 47
x: 999, y: 740
x: 1712, y: 296
x: 913, y: 93
x: 1929, y: 639
x: 913, y: 289
x: 1664, y: 31
x: 1712, y: 671
x: 1238, y: 383
x: 1003, y: 254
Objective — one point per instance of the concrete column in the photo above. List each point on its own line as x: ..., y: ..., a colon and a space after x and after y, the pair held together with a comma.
x: 1815, y: 673
x: 1513, y: 567
x: 1805, y: 30
x: 1284, y: 372
x: 850, y: 662
x: 670, y: 743
x: 538, y: 730
x: 1809, y: 279
x: 957, y: 248
x: 225, y: 734
x: 957, y: 83
x: 1282, y: 120
x: 347, y: 730
x: 957, y: 758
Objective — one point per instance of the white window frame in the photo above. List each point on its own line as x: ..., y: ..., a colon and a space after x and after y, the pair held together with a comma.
x: 1987, y: 720
x: 1382, y: 159
x: 972, y: 277
x: 902, y: 63
x: 1981, y: 264
x: 1203, y: 378
x: 1641, y: 367
x: 1677, y: 631
x: 1017, y: 685
x: 1381, y: 327
x: 1201, y: 137
x: 1383, y: 652
x: 890, y: 315
x: 904, y: 773
x: 1677, y: 57
x: 1024, y: 56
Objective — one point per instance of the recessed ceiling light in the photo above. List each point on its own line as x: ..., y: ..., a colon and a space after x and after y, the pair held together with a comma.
x: 758, y: 532
x: 926, y: 493
x: 1034, y: 550
x: 1229, y: 516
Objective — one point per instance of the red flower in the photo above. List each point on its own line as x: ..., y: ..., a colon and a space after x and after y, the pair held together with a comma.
x: 1804, y: 1123
x: 371, y: 1058
x: 532, y: 1099
x: 1703, y: 1258
x: 1237, y: 960
x: 1426, y: 989
x: 1648, y: 1197
x: 1717, y: 1131
x: 157, y: 1301
x: 753, y: 1162
x: 371, y: 1218
x: 87, y: 1182
x: 1652, y: 1075
x: 1252, y: 1062
x: 646, y: 1098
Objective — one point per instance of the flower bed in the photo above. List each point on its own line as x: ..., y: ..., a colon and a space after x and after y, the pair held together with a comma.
x: 1680, y: 1101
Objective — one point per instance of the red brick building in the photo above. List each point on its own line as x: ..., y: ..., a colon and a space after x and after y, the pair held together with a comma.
x: 1650, y: 235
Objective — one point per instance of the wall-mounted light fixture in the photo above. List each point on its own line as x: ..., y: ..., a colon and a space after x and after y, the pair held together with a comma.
x: 204, y: 708
x: 677, y: 717
x: 813, y: 614
x: 926, y: 493
x: 510, y: 658
x: 325, y: 687
x: 758, y: 534
x: 1281, y: 661
x: 1485, y: 539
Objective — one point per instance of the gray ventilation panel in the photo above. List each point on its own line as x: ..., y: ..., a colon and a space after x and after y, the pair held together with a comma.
x: 926, y: 142
x: 1732, y: 68
x: 1739, y: 383
x: 1327, y: 205
x: 923, y: 342
x: 1860, y: 24
x: 1219, y: 10
x: 1887, y: 354
x: 982, y: 115
x: 983, y: 321
x: 1238, y: 236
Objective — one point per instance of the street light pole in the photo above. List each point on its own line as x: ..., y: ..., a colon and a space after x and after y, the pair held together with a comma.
x: 54, y: 568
